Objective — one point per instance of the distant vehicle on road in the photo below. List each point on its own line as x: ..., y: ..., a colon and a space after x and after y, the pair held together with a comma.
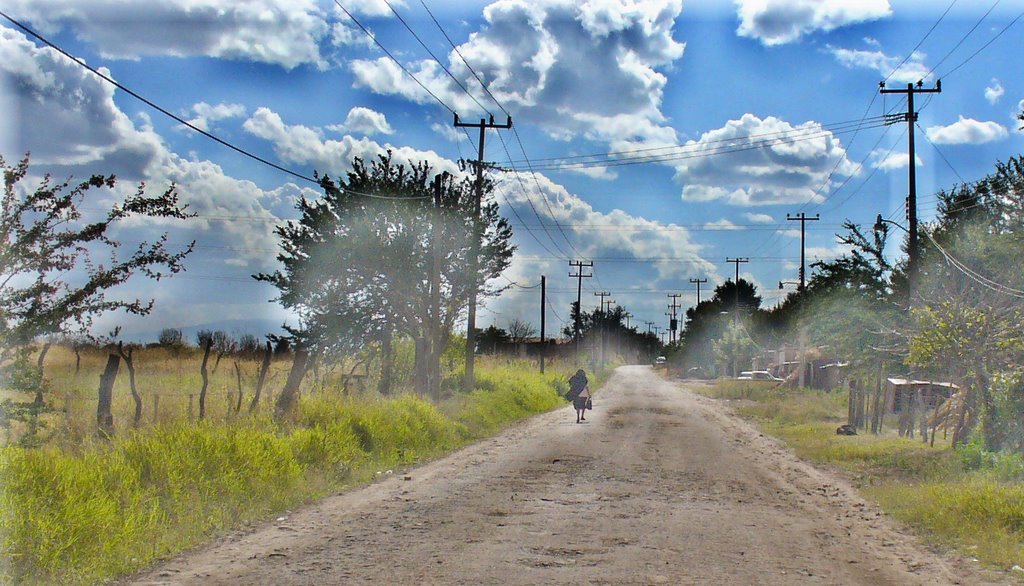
x: 660, y: 361
x: 758, y: 375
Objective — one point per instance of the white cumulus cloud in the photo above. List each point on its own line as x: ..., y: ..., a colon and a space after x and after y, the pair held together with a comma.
x: 539, y: 59
x: 891, y: 161
x: 281, y: 32
x: 364, y: 121
x: 967, y: 131
x: 295, y: 143
x: 205, y: 113
x: 776, y: 22
x: 911, y: 71
x: 760, y: 171
x: 758, y: 218
x: 994, y: 92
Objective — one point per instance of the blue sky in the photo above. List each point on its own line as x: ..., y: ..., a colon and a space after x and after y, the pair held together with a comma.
x: 721, y: 118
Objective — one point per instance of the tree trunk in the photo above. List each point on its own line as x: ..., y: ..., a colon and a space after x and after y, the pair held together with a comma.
x: 238, y: 376
x: 104, y: 417
x: 206, y: 379
x: 127, y: 357
x: 387, y: 363
x: 876, y: 405
x: 861, y: 403
x: 39, y: 399
x: 289, y: 397
x: 262, y: 379
x: 851, y: 401
x: 989, y: 423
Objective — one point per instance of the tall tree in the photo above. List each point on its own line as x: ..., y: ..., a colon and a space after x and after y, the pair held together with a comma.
x: 48, y: 281
x: 357, y: 263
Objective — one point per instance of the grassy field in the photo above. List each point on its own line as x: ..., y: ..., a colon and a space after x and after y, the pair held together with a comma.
x: 966, y: 499
x: 81, y: 509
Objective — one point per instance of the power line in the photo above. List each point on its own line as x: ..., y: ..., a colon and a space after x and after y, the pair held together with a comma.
x: 156, y: 107
x: 392, y: 57
x: 821, y: 128
x: 941, y: 154
x: 963, y: 38
x: 985, y: 46
x: 182, y: 121
x: 526, y: 194
x: 697, y: 150
x: 974, y: 275
x: 919, y: 43
x: 459, y: 53
x: 434, y: 57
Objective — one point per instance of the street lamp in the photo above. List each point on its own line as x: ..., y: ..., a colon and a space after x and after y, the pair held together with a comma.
x: 782, y: 283
x: 880, y: 223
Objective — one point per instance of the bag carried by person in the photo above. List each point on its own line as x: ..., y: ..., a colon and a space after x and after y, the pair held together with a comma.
x: 590, y: 404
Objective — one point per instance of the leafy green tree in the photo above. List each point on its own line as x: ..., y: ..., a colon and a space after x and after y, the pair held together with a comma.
x: 489, y: 338
x: 710, y: 320
x: 49, y: 283
x: 358, y: 268
x: 733, y: 348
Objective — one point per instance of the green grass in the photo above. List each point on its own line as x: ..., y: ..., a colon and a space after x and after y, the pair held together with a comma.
x: 968, y: 499
x: 92, y: 510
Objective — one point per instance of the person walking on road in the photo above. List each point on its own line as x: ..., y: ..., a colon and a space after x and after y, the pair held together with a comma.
x: 579, y: 394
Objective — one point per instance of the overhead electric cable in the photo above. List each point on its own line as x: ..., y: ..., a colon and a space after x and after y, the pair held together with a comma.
x: 434, y: 57
x: 821, y: 128
x: 182, y: 121
x: 153, y: 105
x: 985, y: 46
x: 919, y: 43
x: 393, y: 59
x: 963, y: 38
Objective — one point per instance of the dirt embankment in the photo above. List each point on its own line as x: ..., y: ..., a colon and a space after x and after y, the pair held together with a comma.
x: 660, y: 486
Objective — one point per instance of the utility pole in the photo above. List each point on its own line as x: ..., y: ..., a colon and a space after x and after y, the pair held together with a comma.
x: 433, y: 372
x: 910, y: 117
x: 627, y: 315
x: 579, y: 276
x: 736, y: 309
x: 698, y: 282
x: 602, y: 295
x: 649, y: 325
x: 803, y: 219
x: 474, y: 251
x: 543, y: 305
x: 673, y: 323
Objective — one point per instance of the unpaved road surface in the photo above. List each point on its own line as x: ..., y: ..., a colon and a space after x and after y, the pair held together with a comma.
x: 660, y: 486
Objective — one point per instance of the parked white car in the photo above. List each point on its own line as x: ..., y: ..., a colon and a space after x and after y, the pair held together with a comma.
x: 758, y: 375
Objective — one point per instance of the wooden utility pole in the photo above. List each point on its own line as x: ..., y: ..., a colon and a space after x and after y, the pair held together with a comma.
x: 602, y: 295
x: 579, y: 276
x: 543, y: 304
x: 474, y: 246
x: 910, y: 117
x: 432, y: 370
x: 736, y: 308
x: 803, y: 219
x: 673, y: 323
x: 698, y: 282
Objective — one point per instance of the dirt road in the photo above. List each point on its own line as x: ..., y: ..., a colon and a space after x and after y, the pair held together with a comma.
x: 660, y: 486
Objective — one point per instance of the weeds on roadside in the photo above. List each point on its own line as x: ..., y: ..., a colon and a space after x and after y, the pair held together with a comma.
x: 968, y: 498
x: 98, y: 510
